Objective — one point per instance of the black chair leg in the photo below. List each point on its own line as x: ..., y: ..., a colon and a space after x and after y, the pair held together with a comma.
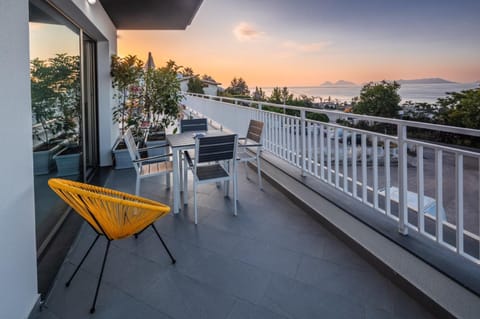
x: 81, y: 262
x: 92, y: 310
x: 163, y: 243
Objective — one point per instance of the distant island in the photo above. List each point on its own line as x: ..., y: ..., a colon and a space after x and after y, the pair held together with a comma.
x: 425, y: 81
x: 401, y: 81
x: 338, y: 83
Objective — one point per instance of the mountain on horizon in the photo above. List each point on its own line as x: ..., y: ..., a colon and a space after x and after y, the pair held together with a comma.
x: 424, y: 81
x: 338, y: 83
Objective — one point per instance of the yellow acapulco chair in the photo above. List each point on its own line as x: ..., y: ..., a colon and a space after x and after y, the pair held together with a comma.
x: 110, y: 213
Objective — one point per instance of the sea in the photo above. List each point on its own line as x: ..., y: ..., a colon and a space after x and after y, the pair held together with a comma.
x: 419, y: 93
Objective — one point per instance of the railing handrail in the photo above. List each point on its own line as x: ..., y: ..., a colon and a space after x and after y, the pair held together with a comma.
x: 422, y: 125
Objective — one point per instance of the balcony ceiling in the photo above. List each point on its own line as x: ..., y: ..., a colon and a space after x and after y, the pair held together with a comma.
x: 151, y: 14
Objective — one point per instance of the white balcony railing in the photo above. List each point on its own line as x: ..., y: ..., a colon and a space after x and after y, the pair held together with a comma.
x: 429, y: 188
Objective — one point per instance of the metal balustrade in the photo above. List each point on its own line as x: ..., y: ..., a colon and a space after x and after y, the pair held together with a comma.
x: 429, y: 188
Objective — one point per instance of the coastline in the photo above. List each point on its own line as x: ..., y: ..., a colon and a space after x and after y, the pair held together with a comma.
x: 419, y: 93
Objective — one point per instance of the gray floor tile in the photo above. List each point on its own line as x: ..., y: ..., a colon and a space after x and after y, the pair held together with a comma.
x: 375, y: 313
x: 183, y: 297
x: 232, y: 277
x: 44, y: 314
x: 267, y: 256
x: 246, y: 310
x: 298, y: 300
x: 214, y: 239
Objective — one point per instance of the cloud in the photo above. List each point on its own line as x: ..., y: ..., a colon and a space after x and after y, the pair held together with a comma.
x: 246, y: 32
x: 305, y: 47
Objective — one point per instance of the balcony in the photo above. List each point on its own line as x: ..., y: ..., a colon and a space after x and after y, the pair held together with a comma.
x: 273, y: 260
x: 321, y: 240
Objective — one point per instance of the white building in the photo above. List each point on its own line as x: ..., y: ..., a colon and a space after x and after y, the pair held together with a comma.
x: 209, y: 87
x: 81, y: 29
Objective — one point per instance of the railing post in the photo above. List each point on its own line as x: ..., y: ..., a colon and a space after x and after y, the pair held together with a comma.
x: 304, y: 144
x: 402, y: 180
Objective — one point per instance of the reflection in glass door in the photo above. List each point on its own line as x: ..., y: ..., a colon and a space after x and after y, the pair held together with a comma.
x: 56, y: 112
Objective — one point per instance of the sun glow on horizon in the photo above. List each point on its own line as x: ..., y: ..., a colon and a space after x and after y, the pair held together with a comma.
x: 227, y: 39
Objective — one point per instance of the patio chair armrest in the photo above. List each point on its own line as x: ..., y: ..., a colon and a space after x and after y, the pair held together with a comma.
x: 151, y: 158
x: 250, y: 145
x: 188, y: 158
x: 152, y: 147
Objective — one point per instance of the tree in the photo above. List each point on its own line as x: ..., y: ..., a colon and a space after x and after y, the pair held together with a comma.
x: 420, y: 112
x: 303, y: 100
x: 127, y: 75
x: 195, y: 85
x: 259, y: 94
x: 281, y: 96
x: 379, y: 99
x: 460, y: 109
x: 56, y: 95
x: 187, y: 71
x: 318, y: 117
x: 286, y: 96
x: 207, y: 77
x: 162, y: 95
x: 238, y: 86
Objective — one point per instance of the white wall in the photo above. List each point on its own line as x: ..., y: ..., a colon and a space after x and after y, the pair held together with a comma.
x: 18, y: 272
x: 184, y: 86
x: 211, y: 90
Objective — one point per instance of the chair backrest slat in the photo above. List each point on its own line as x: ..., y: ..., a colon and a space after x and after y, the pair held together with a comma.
x: 193, y: 125
x: 132, y: 147
x: 215, y: 148
x: 255, y: 129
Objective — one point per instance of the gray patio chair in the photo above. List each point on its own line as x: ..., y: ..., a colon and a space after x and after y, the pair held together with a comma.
x: 149, y: 166
x: 193, y: 125
x: 214, y: 163
x: 253, y: 140
x: 190, y: 125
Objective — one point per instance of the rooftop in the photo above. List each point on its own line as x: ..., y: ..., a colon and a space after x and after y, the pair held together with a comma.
x: 273, y: 260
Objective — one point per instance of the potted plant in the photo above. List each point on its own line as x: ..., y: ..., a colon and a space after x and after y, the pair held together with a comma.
x: 127, y: 77
x: 161, y: 104
x: 47, y: 128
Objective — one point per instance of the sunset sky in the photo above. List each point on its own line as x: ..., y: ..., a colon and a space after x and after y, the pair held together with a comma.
x: 307, y: 42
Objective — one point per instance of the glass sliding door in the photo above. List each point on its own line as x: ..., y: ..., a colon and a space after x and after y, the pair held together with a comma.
x: 55, y: 75
x: 63, y: 64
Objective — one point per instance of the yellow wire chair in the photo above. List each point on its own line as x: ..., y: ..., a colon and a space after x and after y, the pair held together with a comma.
x: 110, y: 213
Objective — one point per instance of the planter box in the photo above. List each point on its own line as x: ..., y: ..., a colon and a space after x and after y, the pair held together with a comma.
x: 68, y: 164
x: 156, y: 151
x: 121, y: 157
x: 43, y: 161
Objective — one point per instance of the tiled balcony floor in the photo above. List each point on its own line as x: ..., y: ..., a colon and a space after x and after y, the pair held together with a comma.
x: 271, y: 261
